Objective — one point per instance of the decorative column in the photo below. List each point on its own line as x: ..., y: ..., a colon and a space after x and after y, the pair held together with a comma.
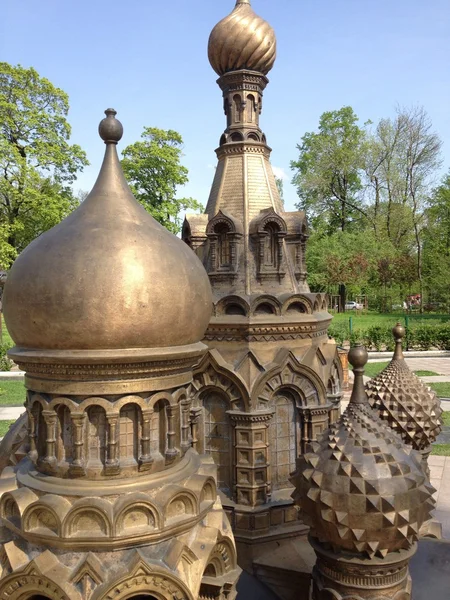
x: 252, y: 464
x: 195, y: 415
x: 171, y: 452
x: 185, y: 426
x: 146, y: 460
x: 50, y: 460
x: 112, y: 466
x: 78, y: 422
x: 33, y: 454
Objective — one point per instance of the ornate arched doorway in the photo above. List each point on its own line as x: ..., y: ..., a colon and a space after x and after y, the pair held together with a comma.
x: 218, y: 442
x: 284, y: 439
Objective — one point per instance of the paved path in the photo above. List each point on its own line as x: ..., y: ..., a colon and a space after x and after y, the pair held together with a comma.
x: 440, y: 479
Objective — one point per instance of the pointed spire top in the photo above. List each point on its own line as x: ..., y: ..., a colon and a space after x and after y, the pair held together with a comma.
x: 110, y: 129
x: 358, y: 358
x: 399, y: 333
x: 242, y: 2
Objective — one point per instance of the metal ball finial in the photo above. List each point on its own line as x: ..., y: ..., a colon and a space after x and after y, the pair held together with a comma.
x: 110, y: 128
x: 399, y: 333
x: 358, y: 358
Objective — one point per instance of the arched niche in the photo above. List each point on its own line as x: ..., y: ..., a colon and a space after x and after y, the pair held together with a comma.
x: 285, y: 435
x: 235, y: 310
x: 218, y: 436
x: 130, y: 423
x: 136, y: 518
x: 158, y: 429
x: 96, y: 436
x: 64, y: 444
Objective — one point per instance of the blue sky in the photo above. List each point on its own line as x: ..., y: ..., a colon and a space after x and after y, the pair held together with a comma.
x: 147, y: 59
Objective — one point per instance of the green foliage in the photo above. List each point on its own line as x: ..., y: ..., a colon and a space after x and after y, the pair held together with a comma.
x: 154, y: 171
x: 37, y: 162
x: 367, y: 194
x: 5, y: 363
x: 327, y: 172
x: 441, y: 389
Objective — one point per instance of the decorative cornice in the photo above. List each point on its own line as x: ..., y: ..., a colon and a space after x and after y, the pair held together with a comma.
x: 245, y: 147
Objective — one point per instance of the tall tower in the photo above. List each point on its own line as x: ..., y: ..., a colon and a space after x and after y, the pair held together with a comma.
x: 111, y: 502
x: 270, y: 382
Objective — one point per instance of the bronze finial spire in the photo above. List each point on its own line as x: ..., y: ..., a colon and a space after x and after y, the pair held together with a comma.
x: 399, y: 333
x: 358, y: 358
x: 242, y: 2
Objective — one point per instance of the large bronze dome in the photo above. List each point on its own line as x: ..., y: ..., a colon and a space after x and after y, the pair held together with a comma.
x: 108, y: 276
x: 242, y: 41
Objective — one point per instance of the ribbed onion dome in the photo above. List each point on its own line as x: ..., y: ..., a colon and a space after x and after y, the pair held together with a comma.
x: 108, y: 276
x: 242, y: 41
x: 361, y: 489
x: 409, y: 406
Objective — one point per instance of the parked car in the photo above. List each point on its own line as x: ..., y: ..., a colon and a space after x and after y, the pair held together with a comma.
x: 353, y: 306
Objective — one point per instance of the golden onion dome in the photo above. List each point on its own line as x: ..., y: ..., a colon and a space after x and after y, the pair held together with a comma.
x: 242, y: 41
x: 108, y: 276
x: 361, y: 489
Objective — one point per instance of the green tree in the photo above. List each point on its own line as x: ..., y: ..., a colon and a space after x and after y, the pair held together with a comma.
x: 37, y: 162
x: 436, y: 246
x: 154, y: 170
x: 328, y: 170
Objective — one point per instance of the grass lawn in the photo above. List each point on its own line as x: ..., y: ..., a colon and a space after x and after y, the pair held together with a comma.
x: 5, y: 337
x: 372, y: 369
x: 4, y: 426
x: 441, y: 449
x: 446, y: 418
x: 425, y: 373
x: 363, y: 322
x: 441, y: 389
x: 12, y: 393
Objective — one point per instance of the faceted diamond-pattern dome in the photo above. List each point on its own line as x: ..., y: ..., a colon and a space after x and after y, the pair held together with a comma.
x: 410, y: 407
x: 242, y: 41
x: 361, y: 489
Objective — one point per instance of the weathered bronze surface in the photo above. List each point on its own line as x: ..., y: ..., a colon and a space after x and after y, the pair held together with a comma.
x: 408, y: 405
x: 98, y: 280
x: 104, y: 496
x: 365, y: 495
x: 271, y: 381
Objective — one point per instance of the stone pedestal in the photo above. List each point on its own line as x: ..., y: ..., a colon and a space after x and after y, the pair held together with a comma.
x: 339, y: 576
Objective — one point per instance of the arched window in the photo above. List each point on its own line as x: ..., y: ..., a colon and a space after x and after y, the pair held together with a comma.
x: 129, y: 434
x: 271, y: 255
x: 96, y: 438
x: 158, y: 429
x: 218, y: 441
x: 64, y: 434
x: 40, y: 429
x: 237, y: 107
x: 283, y: 439
x: 223, y: 245
x: 250, y: 108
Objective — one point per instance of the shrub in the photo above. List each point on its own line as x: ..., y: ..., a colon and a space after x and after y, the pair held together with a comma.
x: 5, y: 363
